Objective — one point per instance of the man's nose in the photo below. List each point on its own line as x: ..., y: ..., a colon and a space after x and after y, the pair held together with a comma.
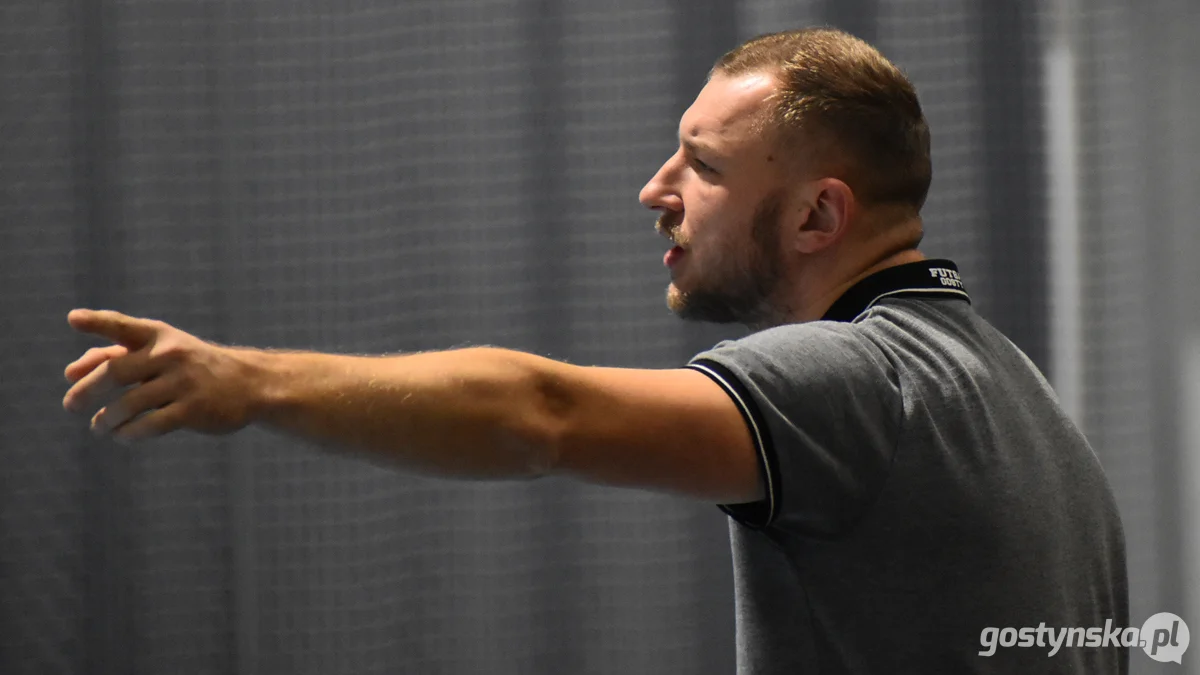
x: 661, y: 192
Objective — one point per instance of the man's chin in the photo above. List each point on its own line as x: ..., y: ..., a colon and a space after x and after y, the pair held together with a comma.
x: 677, y: 301
x: 689, y: 307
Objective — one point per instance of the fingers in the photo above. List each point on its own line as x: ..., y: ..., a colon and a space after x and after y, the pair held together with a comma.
x: 156, y: 393
x: 146, y: 410
x: 108, y: 377
x: 89, y: 390
x: 155, y: 423
x: 124, y: 330
x: 92, y: 358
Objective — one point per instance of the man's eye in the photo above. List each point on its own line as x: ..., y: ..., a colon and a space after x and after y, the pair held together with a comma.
x: 702, y: 166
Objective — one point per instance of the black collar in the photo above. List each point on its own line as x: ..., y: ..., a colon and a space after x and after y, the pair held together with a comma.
x: 936, y: 278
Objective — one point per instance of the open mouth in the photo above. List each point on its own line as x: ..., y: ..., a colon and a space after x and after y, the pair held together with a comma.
x: 673, y: 256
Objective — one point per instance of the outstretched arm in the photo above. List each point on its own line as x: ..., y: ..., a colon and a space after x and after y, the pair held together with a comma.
x: 472, y: 413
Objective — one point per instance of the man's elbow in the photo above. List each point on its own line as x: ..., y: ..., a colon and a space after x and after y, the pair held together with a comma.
x: 535, y: 439
x: 530, y: 399
x: 546, y: 421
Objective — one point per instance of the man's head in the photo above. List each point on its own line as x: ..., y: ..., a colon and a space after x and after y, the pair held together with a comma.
x: 806, y: 153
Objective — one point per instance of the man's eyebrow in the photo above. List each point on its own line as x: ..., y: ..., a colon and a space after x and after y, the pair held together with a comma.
x: 694, y: 147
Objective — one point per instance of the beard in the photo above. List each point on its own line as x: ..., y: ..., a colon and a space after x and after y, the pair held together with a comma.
x: 743, y: 286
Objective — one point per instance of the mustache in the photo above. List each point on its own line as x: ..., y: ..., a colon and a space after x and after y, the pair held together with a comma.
x: 668, y: 223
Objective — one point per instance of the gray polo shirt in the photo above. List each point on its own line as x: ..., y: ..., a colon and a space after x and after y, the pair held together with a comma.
x: 924, y: 485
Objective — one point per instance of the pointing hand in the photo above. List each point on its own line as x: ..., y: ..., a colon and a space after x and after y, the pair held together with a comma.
x: 175, y: 380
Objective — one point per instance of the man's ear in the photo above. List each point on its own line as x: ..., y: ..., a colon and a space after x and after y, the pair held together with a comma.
x: 829, y: 204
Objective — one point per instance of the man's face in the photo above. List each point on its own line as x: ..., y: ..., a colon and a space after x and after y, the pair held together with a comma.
x: 721, y: 200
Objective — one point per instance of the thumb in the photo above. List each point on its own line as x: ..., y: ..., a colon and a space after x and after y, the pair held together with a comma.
x: 124, y: 330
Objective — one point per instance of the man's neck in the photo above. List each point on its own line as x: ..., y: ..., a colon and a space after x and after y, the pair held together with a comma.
x: 818, y: 303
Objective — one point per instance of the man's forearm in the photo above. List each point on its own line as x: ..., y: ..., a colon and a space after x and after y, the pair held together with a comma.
x: 479, y: 412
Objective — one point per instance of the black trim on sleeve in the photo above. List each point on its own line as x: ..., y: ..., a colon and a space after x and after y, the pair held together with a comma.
x: 760, y: 514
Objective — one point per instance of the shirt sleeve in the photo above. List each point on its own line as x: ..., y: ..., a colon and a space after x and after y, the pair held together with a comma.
x: 823, y: 406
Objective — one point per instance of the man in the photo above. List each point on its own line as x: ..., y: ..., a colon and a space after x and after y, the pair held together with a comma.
x: 899, y: 476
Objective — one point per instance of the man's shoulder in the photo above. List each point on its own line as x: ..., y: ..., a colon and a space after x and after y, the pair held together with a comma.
x: 814, y: 349
x: 809, y: 334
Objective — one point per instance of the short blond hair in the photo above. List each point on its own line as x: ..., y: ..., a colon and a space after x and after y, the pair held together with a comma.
x: 842, y: 103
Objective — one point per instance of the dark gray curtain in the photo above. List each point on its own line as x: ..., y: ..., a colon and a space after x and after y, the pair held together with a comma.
x: 372, y: 177
x: 1139, y: 169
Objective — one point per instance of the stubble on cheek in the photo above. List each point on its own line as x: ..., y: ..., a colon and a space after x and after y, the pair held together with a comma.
x: 732, y: 281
